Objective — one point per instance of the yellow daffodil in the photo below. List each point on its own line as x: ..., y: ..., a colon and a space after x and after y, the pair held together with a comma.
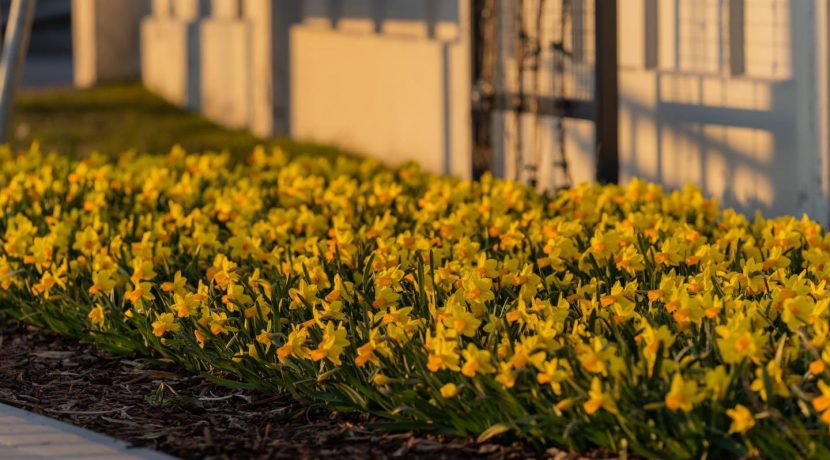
x: 774, y: 376
x: 332, y: 345
x: 476, y: 361
x: 102, y: 283
x: 598, y: 399
x: 165, y: 323
x: 717, y: 382
x: 177, y: 286
x: 742, y: 419
x: 97, y: 316
x: 821, y: 403
x: 295, y: 345
x: 140, y: 294
x: 87, y: 242
x: 449, y: 390
x: 442, y: 353
x: 347, y: 280
x: 683, y: 395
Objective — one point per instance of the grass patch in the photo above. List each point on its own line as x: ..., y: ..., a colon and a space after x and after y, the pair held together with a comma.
x: 112, y: 119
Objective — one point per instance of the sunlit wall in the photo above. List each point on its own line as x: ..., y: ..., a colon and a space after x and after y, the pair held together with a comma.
x: 734, y: 102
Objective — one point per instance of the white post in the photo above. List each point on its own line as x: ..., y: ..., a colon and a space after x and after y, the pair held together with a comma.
x: 822, y: 17
x: 106, y: 40
x: 806, y: 62
x: 15, y: 45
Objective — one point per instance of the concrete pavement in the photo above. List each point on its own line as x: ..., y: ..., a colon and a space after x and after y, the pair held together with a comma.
x: 28, y: 436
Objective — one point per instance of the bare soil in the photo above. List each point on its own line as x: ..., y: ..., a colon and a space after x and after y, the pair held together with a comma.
x: 157, y: 406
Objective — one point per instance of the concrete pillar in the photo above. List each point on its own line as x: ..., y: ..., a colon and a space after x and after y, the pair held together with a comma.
x: 260, y: 14
x: 226, y: 65
x: 105, y: 35
x: 244, y: 63
x: 823, y: 107
x: 808, y: 60
x: 170, y: 50
x: 398, y: 93
x: 270, y: 22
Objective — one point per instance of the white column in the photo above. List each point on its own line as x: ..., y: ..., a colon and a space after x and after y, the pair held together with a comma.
x: 226, y: 66
x: 270, y: 22
x: 105, y: 35
x: 809, y: 64
x: 170, y: 50
x: 244, y: 63
x: 823, y: 100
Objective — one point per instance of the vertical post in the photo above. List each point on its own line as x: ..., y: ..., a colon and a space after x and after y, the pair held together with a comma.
x: 518, y: 103
x: 651, y: 35
x: 16, y: 42
x: 822, y: 212
x: 606, y: 92
x: 483, y: 33
x: 737, y: 63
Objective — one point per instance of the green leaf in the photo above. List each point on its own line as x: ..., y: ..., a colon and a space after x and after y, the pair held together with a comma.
x: 492, y: 432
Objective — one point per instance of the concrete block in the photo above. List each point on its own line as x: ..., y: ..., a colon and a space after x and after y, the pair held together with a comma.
x: 170, y: 59
x: 226, y: 9
x: 359, y: 16
x: 318, y: 13
x: 106, y: 39
x: 270, y: 22
x: 190, y: 10
x: 162, y: 8
x: 378, y: 95
x: 398, y: 93
x: 458, y: 79
x: 410, y: 18
x: 448, y: 18
x: 226, y: 68
x: 632, y: 35
x: 261, y: 14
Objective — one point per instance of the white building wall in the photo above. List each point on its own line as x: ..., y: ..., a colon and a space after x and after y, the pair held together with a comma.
x: 387, y: 78
x: 170, y: 43
x: 742, y: 112
x: 542, y: 144
x: 753, y: 137
x: 105, y: 40
x: 226, y: 58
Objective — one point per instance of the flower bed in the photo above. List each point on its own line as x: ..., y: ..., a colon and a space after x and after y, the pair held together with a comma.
x: 625, y: 318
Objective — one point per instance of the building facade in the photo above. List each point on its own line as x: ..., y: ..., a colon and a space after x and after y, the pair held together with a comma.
x: 731, y: 95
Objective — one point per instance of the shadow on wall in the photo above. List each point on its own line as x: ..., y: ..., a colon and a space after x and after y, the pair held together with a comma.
x: 381, y: 16
x: 735, y: 136
x: 743, y: 157
x: 385, y: 77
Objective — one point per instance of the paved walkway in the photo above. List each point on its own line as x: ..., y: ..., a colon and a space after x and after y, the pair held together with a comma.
x: 47, y: 71
x: 27, y: 436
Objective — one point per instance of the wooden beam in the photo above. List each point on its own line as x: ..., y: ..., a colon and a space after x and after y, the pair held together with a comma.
x: 606, y: 92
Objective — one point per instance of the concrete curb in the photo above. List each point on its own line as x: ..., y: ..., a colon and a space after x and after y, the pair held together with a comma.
x: 28, y: 436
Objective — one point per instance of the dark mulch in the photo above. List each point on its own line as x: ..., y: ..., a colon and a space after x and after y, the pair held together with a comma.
x: 159, y: 407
